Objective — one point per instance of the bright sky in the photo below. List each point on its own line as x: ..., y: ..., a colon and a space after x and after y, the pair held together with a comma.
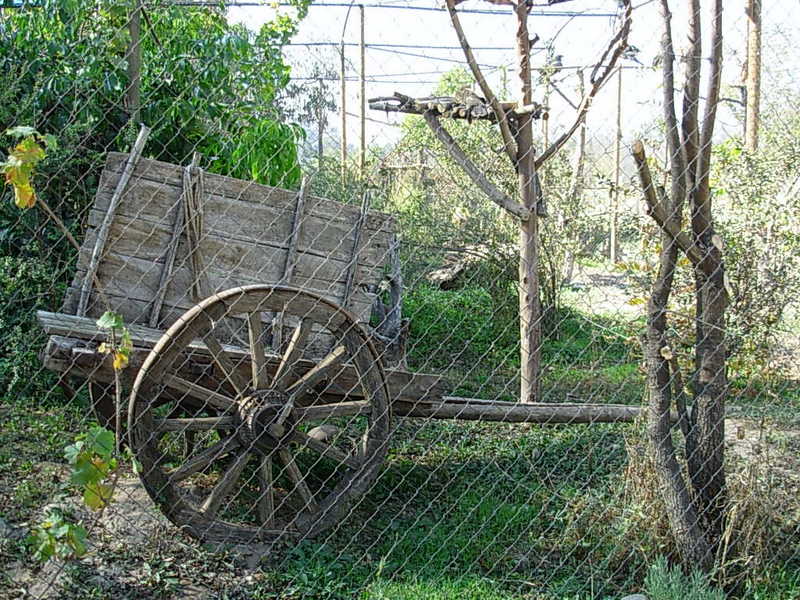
x: 393, y: 62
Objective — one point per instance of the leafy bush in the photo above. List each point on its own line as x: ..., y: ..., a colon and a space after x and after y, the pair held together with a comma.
x: 664, y: 583
x: 458, y: 326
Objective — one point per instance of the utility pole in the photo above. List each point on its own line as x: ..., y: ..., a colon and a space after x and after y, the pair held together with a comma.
x: 362, y: 156
x: 133, y: 56
x: 753, y: 78
x: 320, y: 122
x: 343, y: 113
x: 614, y: 242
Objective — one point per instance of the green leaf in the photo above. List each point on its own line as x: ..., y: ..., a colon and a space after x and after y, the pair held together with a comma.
x: 110, y: 320
x: 97, y: 495
x: 21, y: 131
x: 101, y: 441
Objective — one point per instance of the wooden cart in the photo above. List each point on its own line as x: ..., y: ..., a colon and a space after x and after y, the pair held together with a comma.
x: 261, y: 397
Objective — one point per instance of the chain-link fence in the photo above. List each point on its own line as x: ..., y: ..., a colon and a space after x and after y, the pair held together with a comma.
x: 310, y: 323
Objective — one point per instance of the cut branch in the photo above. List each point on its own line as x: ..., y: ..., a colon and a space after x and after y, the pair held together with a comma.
x: 502, y: 120
x: 458, y: 155
x: 600, y: 74
x: 658, y: 211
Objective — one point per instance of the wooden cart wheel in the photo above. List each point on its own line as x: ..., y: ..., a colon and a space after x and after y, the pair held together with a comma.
x: 282, y: 445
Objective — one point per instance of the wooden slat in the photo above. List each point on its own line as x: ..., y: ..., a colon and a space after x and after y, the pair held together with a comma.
x: 356, y: 253
x: 99, y: 246
x: 248, y: 191
x: 402, y: 384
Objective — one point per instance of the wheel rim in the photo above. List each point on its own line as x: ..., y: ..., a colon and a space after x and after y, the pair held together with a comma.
x: 272, y: 446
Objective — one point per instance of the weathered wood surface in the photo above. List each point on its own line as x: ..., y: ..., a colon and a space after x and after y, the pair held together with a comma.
x: 412, y: 394
x: 73, y: 348
x: 101, y: 233
x: 473, y: 409
x: 248, y: 235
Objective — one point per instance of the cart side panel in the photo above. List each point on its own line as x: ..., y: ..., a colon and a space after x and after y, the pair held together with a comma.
x: 247, y: 228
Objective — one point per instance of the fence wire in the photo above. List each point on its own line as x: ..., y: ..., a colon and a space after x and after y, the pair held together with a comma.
x: 284, y: 361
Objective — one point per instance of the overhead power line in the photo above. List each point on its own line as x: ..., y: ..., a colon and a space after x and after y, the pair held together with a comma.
x: 477, y: 11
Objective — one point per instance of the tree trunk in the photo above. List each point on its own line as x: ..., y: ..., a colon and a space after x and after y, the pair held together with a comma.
x: 529, y: 303
x: 753, y: 80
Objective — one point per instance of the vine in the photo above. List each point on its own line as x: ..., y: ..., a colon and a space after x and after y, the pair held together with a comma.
x: 94, y: 455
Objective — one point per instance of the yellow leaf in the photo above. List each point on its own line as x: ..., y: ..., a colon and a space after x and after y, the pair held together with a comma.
x: 104, y: 348
x: 120, y: 360
x: 24, y: 196
x: 636, y: 301
x: 96, y: 495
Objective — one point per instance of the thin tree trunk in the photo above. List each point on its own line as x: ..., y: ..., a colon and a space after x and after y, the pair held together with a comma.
x: 753, y: 81
x: 529, y: 303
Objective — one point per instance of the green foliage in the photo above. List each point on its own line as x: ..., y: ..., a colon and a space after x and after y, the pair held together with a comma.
x: 457, y: 327
x: 665, y: 583
x: 206, y: 84
x: 57, y: 537
x: 93, y: 465
x: 21, y: 163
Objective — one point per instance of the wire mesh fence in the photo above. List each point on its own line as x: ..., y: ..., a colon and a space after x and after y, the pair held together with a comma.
x: 261, y: 341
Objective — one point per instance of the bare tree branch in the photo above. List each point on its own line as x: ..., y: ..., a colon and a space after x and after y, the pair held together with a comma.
x: 502, y: 120
x: 691, y: 98
x: 660, y: 213
x: 600, y: 74
x: 677, y: 158
x: 709, y: 117
x: 474, y: 173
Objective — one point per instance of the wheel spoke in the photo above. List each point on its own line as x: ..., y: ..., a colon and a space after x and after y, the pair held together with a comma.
x: 194, y: 390
x: 277, y: 331
x: 293, y: 352
x: 266, y: 502
x: 255, y: 331
x: 204, y: 459
x: 326, y: 450
x: 297, y: 478
x: 193, y: 424
x: 322, y: 412
x: 224, y: 363
x: 319, y: 371
x: 225, y: 485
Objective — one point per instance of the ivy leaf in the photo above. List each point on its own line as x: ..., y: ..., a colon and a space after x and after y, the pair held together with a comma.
x: 21, y: 131
x: 101, y: 441
x: 97, y: 495
x: 110, y: 320
x: 24, y: 196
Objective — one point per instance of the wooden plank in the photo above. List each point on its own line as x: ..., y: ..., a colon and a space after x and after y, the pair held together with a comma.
x: 251, y: 223
x: 138, y: 279
x: 100, y: 242
x: 356, y: 253
x: 469, y: 409
x: 139, y: 239
x: 250, y: 192
x: 65, y: 329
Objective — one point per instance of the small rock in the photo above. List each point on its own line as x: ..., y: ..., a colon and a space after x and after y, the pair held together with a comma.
x: 635, y: 597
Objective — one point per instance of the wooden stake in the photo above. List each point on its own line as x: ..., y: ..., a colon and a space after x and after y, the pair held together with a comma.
x: 617, y: 159
x: 133, y: 56
x: 320, y: 124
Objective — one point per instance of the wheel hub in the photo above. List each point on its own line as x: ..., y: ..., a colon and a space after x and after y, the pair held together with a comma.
x: 266, y: 423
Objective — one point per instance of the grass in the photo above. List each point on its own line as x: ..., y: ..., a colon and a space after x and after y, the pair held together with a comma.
x: 461, y: 510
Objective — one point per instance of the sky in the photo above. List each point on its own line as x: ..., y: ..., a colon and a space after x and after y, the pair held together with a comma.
x: 408, y: 49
